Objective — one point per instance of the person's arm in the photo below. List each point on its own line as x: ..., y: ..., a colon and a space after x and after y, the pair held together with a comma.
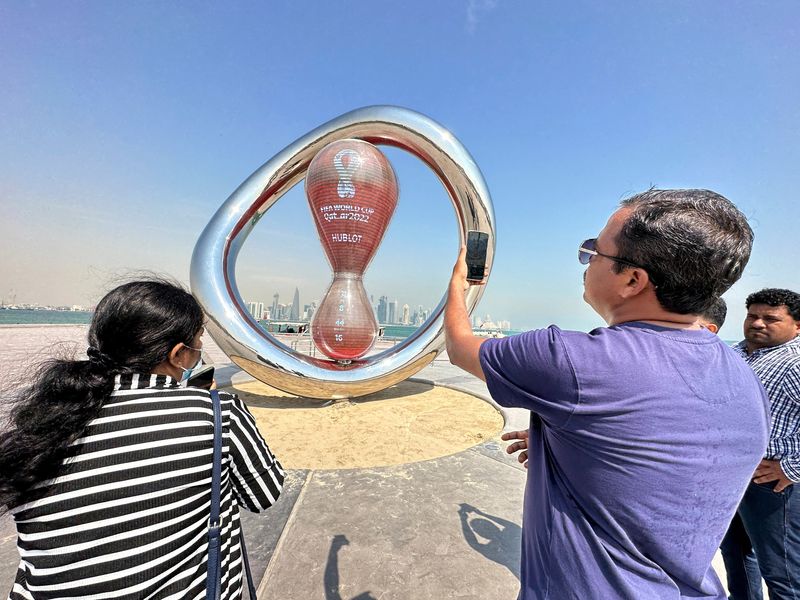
x: 790, y: 464
x: 785, y: 471
x: 256, y: 476
x: 463, y: 348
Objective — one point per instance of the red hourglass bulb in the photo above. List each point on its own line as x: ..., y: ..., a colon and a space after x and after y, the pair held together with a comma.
x: 344, y: 326
x: 352, y: 193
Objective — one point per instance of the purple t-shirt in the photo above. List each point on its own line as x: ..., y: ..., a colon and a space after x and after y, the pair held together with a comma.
x: 642, y: 442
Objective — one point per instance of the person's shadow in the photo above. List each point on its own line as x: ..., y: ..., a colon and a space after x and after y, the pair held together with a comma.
x: 503, y: 544
x: 331, y: 576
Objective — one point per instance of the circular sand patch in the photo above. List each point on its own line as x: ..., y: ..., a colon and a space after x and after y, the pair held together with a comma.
x: 405, y: 423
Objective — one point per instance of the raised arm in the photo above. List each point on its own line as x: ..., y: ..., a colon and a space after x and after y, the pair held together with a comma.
x: 463, y: 348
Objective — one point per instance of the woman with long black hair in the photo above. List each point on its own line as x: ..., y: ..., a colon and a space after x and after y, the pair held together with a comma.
x: 106, y: 467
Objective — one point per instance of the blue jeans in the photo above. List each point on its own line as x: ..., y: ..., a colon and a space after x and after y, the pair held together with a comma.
x: 741, y: 566
x: 764, y: 539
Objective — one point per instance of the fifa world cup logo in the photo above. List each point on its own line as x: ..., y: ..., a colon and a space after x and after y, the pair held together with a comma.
x: 352, y: 192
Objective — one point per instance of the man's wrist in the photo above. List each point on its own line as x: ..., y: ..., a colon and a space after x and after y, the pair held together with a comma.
x: 790, y: 468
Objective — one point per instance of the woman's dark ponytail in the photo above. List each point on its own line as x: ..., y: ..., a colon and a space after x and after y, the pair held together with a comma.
x: 134, y: 328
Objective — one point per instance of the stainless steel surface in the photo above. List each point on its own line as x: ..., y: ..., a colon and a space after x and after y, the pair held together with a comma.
x: 213, y: 277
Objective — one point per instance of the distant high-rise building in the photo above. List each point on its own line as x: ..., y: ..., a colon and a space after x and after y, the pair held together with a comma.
x: 282, y: 312
x: 275, y: 312
x: 256, y: 310
x: 294, y: 314
x: 391, y: 317
x: 405, y: 319
x: 382, y: 312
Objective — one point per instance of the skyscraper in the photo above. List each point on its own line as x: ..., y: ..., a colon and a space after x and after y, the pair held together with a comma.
x: 391, y: 317
x: 256, y: 310
x: 294, y: 315
x: 406, y: 315
x: 275, y: 312
x: 382, y: 311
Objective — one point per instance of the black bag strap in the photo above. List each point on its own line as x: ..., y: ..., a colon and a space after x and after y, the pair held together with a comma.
x: 251, y: 588
x: 213, y: 590
x: 213, y: 578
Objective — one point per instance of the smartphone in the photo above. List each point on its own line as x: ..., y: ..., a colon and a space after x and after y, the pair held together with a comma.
x: 477, y: 245
x: 202, y: 377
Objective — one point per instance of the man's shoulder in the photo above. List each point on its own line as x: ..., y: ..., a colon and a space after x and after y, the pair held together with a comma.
x: 788, y: 355
x: 793, y: 361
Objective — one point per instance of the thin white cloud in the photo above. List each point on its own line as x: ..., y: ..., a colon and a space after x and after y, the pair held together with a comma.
x: 476, y: 9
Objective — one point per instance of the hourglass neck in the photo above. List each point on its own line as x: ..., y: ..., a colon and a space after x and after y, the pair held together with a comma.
x: 348, y: 275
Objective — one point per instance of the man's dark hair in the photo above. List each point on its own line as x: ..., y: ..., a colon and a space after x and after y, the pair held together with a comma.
x: 694, y: 244
x: 716, y: 313
x: 777, y: 297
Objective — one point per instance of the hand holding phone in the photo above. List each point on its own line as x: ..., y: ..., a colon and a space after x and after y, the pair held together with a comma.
x: 477, y: 246
x: 202, y: 378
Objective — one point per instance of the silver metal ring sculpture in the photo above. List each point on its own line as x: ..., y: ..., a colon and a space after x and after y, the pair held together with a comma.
x: 213, y: 269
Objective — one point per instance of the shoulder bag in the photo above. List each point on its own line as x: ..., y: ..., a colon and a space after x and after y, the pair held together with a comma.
x: 213, y: 590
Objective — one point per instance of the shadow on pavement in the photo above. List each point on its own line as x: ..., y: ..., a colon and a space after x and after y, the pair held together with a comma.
x: 502, y: 537
x: 332, y: 572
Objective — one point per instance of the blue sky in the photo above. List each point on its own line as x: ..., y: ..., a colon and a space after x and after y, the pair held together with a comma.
x: 123, y: 126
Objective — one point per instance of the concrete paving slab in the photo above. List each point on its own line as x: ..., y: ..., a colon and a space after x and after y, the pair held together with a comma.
x: 496, y: 450
x: 9, y: 557
x: 445, y: 528
x: 262, y: 531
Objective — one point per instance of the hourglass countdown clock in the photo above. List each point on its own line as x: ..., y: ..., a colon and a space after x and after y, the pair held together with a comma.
x: 342, y: 165
x: 352, y: 193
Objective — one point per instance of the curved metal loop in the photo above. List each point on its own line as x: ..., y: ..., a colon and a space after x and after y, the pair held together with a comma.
x: 213, y: 278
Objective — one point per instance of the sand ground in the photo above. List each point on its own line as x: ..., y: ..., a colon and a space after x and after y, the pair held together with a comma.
x: 406, y: 423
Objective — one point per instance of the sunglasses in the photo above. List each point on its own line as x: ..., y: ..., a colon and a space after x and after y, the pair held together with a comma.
x: 587, y: 250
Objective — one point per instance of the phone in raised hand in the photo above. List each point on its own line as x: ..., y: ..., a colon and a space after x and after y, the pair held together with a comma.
x: 477, y: 246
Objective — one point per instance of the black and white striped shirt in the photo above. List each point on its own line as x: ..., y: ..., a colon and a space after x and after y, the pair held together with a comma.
x: 127, y: 517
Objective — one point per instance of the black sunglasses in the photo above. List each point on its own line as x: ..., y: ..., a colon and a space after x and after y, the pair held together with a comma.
x: 587, y: 250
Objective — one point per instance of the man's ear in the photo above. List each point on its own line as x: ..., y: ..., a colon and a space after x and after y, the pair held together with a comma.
x: 712, y: 327
x: 636, y: 283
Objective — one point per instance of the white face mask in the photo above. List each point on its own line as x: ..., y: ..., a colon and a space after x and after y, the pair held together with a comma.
x: 188, y: 372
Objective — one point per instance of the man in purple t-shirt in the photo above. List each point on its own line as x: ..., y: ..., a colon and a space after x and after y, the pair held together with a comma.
x: 643, y: 434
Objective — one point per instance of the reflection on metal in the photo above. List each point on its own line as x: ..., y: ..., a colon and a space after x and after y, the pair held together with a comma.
x: 213, y: 277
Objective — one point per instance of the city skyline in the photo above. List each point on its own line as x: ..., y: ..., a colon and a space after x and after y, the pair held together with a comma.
x: 416, y: 315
